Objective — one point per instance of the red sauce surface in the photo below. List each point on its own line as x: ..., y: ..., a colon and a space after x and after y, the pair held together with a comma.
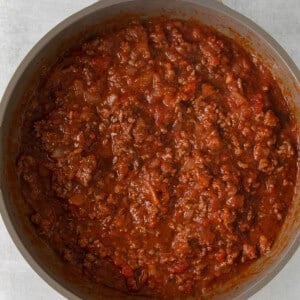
x: 164, y: 149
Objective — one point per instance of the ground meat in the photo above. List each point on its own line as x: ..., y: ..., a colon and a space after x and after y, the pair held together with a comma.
x: 162, y: 148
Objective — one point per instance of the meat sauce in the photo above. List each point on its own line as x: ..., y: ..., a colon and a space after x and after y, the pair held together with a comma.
x: 164, y: 149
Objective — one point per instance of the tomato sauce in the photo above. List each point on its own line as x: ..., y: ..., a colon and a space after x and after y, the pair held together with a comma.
x: 164, y: 149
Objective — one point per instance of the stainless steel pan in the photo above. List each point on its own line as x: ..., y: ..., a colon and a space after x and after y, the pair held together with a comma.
x: 61, y: 277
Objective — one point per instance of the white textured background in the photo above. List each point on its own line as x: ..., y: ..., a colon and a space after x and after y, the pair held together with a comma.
x: 24, y: 22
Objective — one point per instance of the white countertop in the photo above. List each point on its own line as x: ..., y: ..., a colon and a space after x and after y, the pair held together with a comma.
x: 24, y: 22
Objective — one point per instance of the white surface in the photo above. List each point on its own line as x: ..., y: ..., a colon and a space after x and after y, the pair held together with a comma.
x: 24, y: 22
